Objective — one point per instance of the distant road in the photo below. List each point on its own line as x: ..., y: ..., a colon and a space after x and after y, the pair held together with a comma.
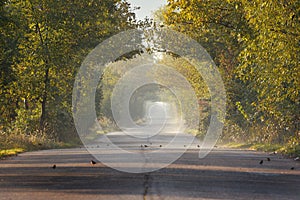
x: 223, y: 174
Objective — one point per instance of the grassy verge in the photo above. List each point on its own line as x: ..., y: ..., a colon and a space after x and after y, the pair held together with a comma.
x: 13, y: 151
x: 10, y: 152
x: 289, y: 150
x: 14, y: 143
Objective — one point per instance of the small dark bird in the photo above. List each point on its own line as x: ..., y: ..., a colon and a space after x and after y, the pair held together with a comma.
x: 261, y: 162
x: 145, y: 145
x: 93, y: 162
x: 268, y: 159
x: 198, y: 145
x: 160, y: 145
x: 54, y: 166
x: 292, y: 168
x: 40, y: 144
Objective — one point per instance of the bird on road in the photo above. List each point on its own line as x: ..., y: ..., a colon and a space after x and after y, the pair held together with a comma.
x: 268, y: 159
x: 54, y: 166
x: 93, y: 162
x: 292, y: 168
x: 261, y: 162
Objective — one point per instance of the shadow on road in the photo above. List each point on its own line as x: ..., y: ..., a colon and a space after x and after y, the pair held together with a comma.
x: 224, y: 174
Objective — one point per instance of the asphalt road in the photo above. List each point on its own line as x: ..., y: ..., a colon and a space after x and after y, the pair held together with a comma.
x: 223, y: 174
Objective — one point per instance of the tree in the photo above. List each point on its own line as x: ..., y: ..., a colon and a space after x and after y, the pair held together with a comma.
x: 8, y: 53
x: 256, y: 46
x: 219, y: 26
x: 52, y: 38
x: 270, y: 64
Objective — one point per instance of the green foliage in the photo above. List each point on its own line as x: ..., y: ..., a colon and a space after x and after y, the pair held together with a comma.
x: 256, y: 47
x: 194, y: 78
x: 270, y: 62
x: 42, y: 46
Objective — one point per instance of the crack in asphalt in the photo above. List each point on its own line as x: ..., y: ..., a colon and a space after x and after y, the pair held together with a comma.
x: 146, y: 185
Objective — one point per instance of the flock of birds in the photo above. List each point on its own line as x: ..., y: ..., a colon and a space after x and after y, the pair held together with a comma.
x: 269, y: 159
x: 92, y: 162
x: 145, y: 145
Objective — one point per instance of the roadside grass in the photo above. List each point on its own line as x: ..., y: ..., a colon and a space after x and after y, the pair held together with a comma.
x: 10, y: 152
x: 14, y: 143
x: 13, y: 151
x: 292, y: 150
x: 16, y: 149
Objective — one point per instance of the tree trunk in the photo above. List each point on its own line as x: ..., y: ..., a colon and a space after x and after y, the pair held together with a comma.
x: 46, y: 80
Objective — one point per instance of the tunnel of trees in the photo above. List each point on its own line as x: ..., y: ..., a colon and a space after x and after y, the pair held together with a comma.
x: 255, y: 45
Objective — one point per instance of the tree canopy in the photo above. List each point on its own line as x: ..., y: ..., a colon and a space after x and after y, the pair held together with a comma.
x: 256, y: 47
x: 42, y: 46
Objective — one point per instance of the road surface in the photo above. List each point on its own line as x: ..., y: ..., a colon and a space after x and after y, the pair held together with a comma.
x: 223, y: 174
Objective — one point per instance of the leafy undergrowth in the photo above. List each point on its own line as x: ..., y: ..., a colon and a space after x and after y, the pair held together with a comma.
x: 292, y: 150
